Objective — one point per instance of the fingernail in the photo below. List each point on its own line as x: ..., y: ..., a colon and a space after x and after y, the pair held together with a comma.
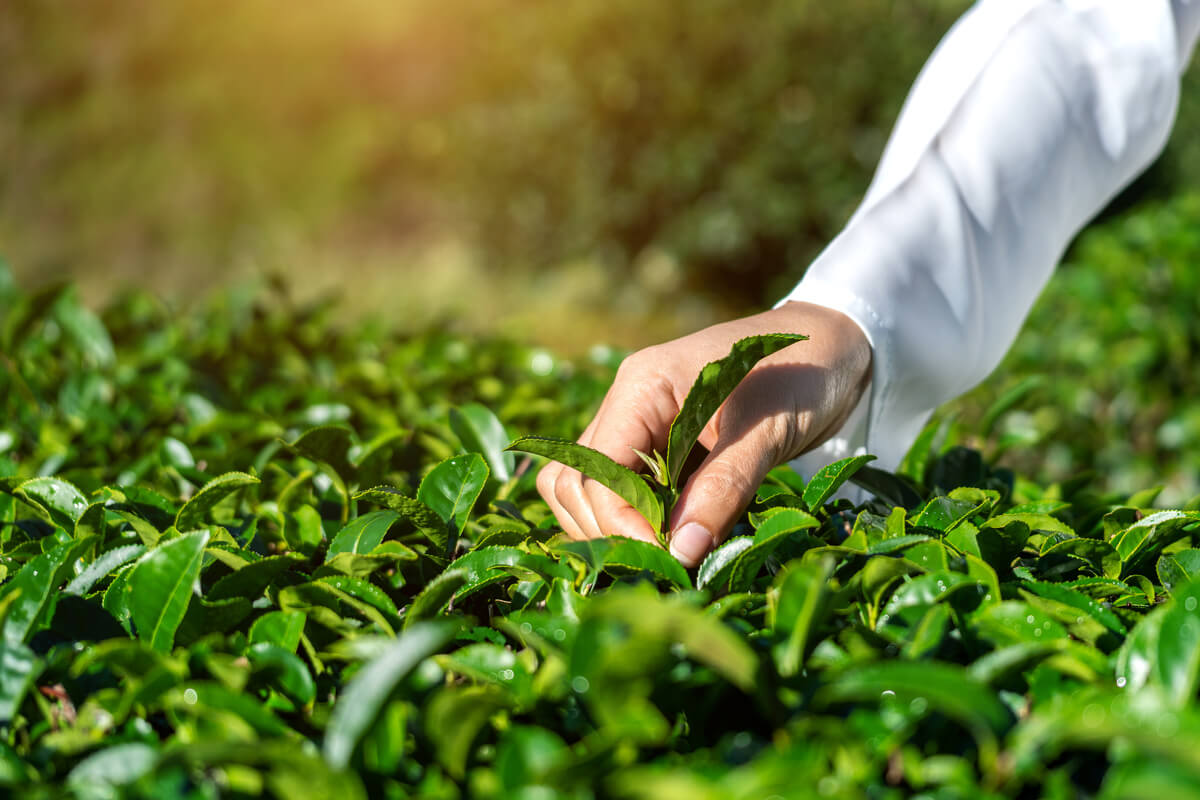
x: 691, y: 543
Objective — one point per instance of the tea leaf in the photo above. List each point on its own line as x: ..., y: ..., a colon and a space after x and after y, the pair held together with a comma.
x: 452, y: 487
x: 480, y: 431
x: 196, y: 510
x: 363, y: 698
x: 624, y: 482
x: 715, y: 383
x: 830, y: 478
x: 159, y: 587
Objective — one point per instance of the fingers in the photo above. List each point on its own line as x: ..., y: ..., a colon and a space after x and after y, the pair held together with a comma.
x: 719, y: 491
x: 636, y: 413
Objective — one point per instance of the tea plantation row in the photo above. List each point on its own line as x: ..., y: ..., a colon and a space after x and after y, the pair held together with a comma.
x: 246, y: 554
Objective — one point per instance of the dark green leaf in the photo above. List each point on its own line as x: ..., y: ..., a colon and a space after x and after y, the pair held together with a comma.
x: 830, y: 478
x: 797, y: 604
x: 329, y: 444
x: 436, y: 594
x: 282, y: 670
x: 480, y: 431
x: 195, y: 511
x: 628, y: 554
x: 362, y: 534
x: 624, y: 482
x: 159, y: 587
x: 452, y: 487
x: 943, y: 687
x: 99, y: 569
x: 363, y: 698
x: 31, y: 590
x: 251, y: 580
x: 770, y: 535
x: 714, y: 383
x: 455, y: 718
x: 717, y: 568
x: 61, y: 502
x: 1178, y: 568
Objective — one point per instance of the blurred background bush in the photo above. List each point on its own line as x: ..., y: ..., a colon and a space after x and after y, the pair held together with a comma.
x: 567, y: 172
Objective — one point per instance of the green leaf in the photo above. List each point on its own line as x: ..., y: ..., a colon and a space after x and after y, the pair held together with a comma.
x: 481, y: 566
x: 1178, y: 568
x: 927, y: 635
x: 878, y: 575
x: 628, y: 554
x: 104, y: 772
x: 455, y: 718
x: 18, y: 669
x: 251, y: 580
x: 452, y: 487
x: 362, y: 534
x: 32, y: 589
x: 942, y: 687
x: 716, y: 569
x: 282, y: 628
x: 436, y: 594
x: 86, y: 330
x: 1144, y: 723
x: 364, y: 591
x: 714, y: 383
x: 328, y: 444
x: 480, y: 431
x: 61, y: 502
x: 411, y: 509
x: 159, y: 587
x: 494, y: 664
x: 362, y: 700
x: 195, y: 511
x: 796, y: 605
x: 1176, y: 666
x: 1017, y: 622
x: 663, y: 619
x: 771, y: 534
x: 830, y: 478
x: 282, y: 670
x: 1150, y: 535
x: 1080, y: 601
x: 102, y: 567
x: 624, y: 482
x: 1097, y: 554
x: 363, y: 565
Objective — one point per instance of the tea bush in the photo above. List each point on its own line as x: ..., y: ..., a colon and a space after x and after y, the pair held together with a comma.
x: 246, y: 553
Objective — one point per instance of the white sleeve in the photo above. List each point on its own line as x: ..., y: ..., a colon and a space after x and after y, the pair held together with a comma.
x: 1028, y: 118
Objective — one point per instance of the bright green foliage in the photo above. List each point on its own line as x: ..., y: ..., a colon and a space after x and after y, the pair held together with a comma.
x: 308, y: 576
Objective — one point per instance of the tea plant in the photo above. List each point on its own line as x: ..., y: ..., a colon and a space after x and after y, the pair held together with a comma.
x: 245, y: 554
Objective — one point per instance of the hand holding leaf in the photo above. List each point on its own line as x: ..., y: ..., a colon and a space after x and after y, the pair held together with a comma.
x: 736, y: 388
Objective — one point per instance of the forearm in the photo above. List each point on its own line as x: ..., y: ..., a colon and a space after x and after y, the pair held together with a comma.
x: 1027, y: 120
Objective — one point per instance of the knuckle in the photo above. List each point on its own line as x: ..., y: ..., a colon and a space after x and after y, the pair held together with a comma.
x: 637, y: 364
x: 724, y: 482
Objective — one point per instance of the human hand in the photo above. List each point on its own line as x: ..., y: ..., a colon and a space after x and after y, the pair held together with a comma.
x: 791, y: 402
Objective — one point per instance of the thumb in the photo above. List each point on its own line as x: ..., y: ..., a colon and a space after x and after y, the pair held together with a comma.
x: 717, y: 493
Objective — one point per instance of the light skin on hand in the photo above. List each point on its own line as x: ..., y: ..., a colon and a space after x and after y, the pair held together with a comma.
x: 791, y: 402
